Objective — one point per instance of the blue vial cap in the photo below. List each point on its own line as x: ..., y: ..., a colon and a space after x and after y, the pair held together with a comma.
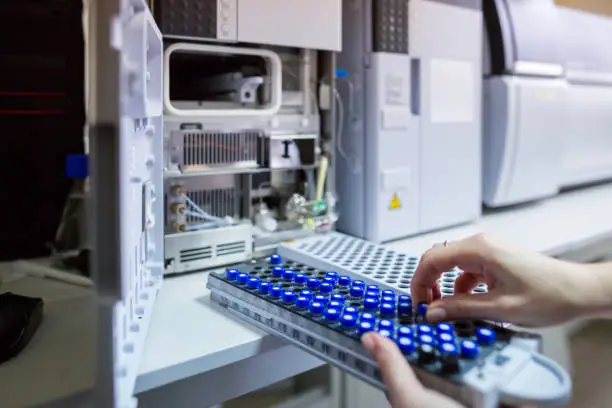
x: 331, y: 281
x: 77, y: 166
x: 385, y: 324
x: 253, y: 283
x: 242, y: 278
x: 445, y: 338
x: 316, y: 308
x: 231, y: 274
x: 386, y: 333
x: 338, y: 297
x: 300, y: 279
x: 373, y: 288
x: 351, y: 310
x: 370, y: 304
x: 348, y: 320
x: 406, y: 345
x: 425, y: 329
x: 404, y: 298
x: 302, y: 302
x: 288, y: 275
x: 427, y: 339
x: 332, y: 315
x: 313, y: 283
x: 306, y: 293
x: 321, y: 299
x: 335, y: 304
x: 387, y: 309
x: 288, y: 296
x: 275, y: 259
x: 344, y: 281
x: 387, y: 299
x: 333, y: 275
x: 277, y: 271
x: 264, y: 287
x: 365, y: 326
x: 367, y: 317
x: 388, y: 292
x: 404, y: 308
x: 371, y: 293
x: 445, y: 328
x: 359, y: 283
x: 469, y: 349
x: 276, y: 292
x: 405, y: 331
x: 448, y: 348
x: 422, y: 309
x: 326, y: 287
x: 485, y: 336
x: 356, y: 291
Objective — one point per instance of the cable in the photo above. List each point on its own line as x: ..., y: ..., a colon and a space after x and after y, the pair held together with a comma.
x: 322, y: 177
x: 200, y: 213
x: 353, y: 163
x: 199, y: 227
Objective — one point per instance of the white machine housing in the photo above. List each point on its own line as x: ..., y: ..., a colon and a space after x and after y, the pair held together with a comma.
x: 409, y: 150
x: 547, y: 100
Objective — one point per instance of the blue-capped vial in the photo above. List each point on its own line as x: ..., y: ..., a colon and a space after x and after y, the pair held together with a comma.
x: 344, y: 281
x: 316, y: 308
x: 356, y: 291
x: 387, y: 299
x: 302, y: 302
x: 367, y: 317
x: 289, y: 296
x: 275, y: 259
x: 338, y: 297
x: 388, y: 292
x: 445, y: 338
x: 448, y: 348
x: 445, y: 328
x: 300, y: 279
x: 348, y: 320
x: 371, y: 293
x: 422, y: 309
x: 332, y: 315
x: 321, y: 299
x: 469, y: 349
x: 242, y: 278
x: 385, y: 324
x: 351, y: 310
x: 404, y: 308
x: 306, y: 293
x: 288, y: 275
x: 387, y: 309
x: 365, y: 326
x: 231, y: 274
x: 485, y: 336
x: 329, y: 280
x: 404, y: 298
x: 326, y: 287
x: 405, y: 331
x: 425, y: 329
x: 253, y: 283
x: 359, y: 283
x: 427, y: 339
x: 264, y: 287
x: 313, y: 283
x: 335, y: 304
x: 373, y: 288
x: 406, y: 345
x: 333, y: 275
x: 370, y: 304
x: 386, y: 333
x: 276, y: 292
x: 277, y: 271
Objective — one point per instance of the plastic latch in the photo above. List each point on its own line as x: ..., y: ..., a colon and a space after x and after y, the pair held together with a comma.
x: 77, y: 166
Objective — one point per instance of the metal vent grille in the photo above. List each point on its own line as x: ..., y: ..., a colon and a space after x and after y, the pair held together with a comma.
x: 196, y: 254
x: 231, y: 248
x: 221, y: 202
x: 220, y: 149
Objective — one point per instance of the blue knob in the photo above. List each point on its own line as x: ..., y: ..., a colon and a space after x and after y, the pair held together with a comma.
x: 427, y: 339
x: 356, y: 291
x: 485, y: 336
x: 445, y: 338
x: 316, y: 308
x: 370, y: 304
x: 300, y: 279
x: 276, y: 292
x: 385, y: 324
x: 344, y: 281
x: 264, y: 287
x: 313, y: 283
x: 448, y: 348
x: 425, y: 329
x: 365, y: 327
x: 277, y: 271
x: 359, y: 283
x: 388, y: 292
x: 367, y: 317
x: 335, y: 304
x: 329, y: 280
x: 351, y: 310
x: 321, y: 299
x: 242, y: 278
x: 332, y: 315
x: 333, y: 275
x: 373, y: 288
x: 306, y: 293
x: 288, y: 296
x: 422, y: 309
x: 445, y: 328
x: 405, y: 331
x: 406, y: 345
x: 404, y: 308
x: 231, y: 274
x: 339, y: 297
x: 348, y: 320
x: 387, y: 299
x: 288, y: 275
x: 371, y: 293
x: 387, y: 309
x: 326, y: 287
x: 302, y: 302
x: 404, y: 298
x: 253, y: 283
x: 469, y: 349
x: 386, y: 333
x: 275, y: 259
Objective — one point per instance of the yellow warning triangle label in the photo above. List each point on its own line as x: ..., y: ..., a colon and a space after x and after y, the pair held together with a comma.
x: 395, y: 203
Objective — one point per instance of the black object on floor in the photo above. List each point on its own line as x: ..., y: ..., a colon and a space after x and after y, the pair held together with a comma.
x: 20, y: 317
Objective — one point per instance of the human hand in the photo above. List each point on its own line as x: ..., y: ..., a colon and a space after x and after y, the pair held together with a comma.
x: 524, y: 287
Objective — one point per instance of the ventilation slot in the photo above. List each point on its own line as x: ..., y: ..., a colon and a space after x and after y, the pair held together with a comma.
x: 196, y: 254
x: 202, y: 150
x: 231, y: 248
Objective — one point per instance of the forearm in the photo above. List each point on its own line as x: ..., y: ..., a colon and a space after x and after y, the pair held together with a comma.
x: 597, y: 294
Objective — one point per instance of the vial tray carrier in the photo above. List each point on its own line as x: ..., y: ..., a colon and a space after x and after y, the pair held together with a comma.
x: 324, y: 308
